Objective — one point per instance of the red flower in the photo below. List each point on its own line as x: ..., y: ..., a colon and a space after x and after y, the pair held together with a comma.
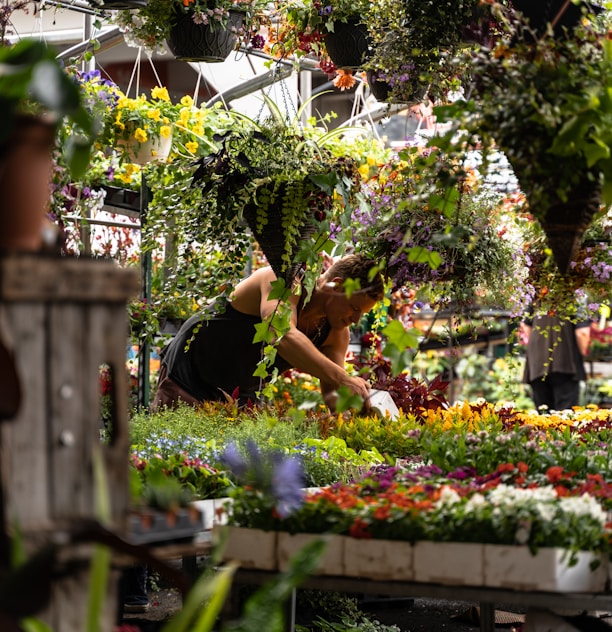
x: 359, y: 529
x: 554, y: 473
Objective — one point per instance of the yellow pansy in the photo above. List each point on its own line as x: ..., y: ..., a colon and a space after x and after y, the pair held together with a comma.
x: 184, y: 117
x: 154, y: 115
x: 140, y: 135
x: 191, y: 147
x: 160, y: 93
x: 165, y: 131
x: 198, y: 130
x: 187, y: 101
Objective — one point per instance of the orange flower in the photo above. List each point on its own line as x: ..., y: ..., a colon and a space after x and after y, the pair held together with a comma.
x: 344, y: 80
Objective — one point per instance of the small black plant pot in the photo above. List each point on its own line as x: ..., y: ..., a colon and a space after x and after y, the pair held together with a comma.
x: 348, y: 46
x: 189, y: 41
x: 540, y: 13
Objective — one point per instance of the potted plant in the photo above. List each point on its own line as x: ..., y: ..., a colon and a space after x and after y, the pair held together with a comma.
x: 36, y: 95
x: 544, y: 101
x: 333, y: 31
x: 140, y: 129
x: 195, y: 30
x: 436, y: 228
x: 414, y: 47
x: 282, y: 180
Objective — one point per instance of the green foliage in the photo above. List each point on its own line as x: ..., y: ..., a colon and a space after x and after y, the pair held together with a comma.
x: 176, y: 480
x: 184, y: 445
x: 338, y: 612
x: 415, y: 46
x: 495, y: 381
x: 545, y: 102
x: 393, y: 439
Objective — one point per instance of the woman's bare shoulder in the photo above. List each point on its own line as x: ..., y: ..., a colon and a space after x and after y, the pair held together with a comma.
x: 246, y: 296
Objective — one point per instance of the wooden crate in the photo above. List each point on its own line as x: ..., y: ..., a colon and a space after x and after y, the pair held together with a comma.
x: 63, y: 318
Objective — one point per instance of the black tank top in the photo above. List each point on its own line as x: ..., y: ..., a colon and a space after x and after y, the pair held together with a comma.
x: 209, y: 356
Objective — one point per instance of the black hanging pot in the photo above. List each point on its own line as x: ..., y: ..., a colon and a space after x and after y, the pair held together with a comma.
x: 211, y: 43
x: 348, y: 45
x: 118, y: 5
x: 540, y: 13
x: 384, y: 92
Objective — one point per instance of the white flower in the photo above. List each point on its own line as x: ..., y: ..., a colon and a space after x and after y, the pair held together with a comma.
x: 448, y: 497
x: 584, y: 505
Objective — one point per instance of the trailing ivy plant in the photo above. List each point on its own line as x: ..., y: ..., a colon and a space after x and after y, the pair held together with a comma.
x: 278, y: 178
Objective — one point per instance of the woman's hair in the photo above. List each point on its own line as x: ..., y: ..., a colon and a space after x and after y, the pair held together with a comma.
x: 358, y: 267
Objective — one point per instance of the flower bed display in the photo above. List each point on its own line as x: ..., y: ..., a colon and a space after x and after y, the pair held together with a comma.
x: 510, y: 528
x: 449, y: 563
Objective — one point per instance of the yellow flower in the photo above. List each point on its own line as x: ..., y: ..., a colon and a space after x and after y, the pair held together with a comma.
x: 187, y: 101
x: 165, y: 131
x: 140, y: 135
x: 184, y: 117
x: 198, y: 130
x: 154, y: 115
x: 191, y: 147
x: 160, y: 93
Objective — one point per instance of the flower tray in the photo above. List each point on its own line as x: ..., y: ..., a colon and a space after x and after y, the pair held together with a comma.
x: 515, y: 567
x: 447, y: 563
x: 151, y: 526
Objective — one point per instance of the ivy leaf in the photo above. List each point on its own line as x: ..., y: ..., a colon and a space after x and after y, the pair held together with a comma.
x: 420, y: 254
x: 451, y: 238
x: 445, y: 203
x: 263, y: 332
x: 397, y: 335
x: 279, y: 291
x: 350, y: 286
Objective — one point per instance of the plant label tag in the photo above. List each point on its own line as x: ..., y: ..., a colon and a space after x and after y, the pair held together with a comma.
x: 383, y: 404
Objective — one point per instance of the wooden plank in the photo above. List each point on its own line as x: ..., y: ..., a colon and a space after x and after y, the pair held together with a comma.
x: 70, y: 451
x: 36, y: 278
x: 25, y: 458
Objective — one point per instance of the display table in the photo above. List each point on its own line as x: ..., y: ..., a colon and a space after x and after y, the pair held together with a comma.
x: 485, y: 573
x: 486, y: 597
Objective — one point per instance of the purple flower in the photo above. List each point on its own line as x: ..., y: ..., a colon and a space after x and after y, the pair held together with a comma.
x: 234, y: 460
x: 287, y: 484
x: 257, y: 41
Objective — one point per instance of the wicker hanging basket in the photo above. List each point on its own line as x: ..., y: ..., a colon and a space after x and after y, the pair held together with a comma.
x: 565, y: 222
x: 287, y: 226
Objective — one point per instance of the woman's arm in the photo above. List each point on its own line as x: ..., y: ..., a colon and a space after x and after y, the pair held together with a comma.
x: 297, y: 349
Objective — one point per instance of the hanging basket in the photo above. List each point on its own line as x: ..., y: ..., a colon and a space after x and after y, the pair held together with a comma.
x: 348, y: 45
x: 540, y: 14
x: 210, y: 43
x: 565, y: 222
x: 383, y: 91
x: 280, y: 248
x: 118, y: 5
x: 152, y: 150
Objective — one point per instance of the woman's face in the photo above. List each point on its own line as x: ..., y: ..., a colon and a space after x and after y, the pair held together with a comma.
x: 343, y: 311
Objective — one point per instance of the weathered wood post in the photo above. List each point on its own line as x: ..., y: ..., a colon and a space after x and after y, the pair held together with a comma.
x: 63, y: 318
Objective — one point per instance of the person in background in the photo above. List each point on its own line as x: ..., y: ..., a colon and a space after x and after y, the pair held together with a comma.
x: 554, y: 359
x: 213, y: 356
